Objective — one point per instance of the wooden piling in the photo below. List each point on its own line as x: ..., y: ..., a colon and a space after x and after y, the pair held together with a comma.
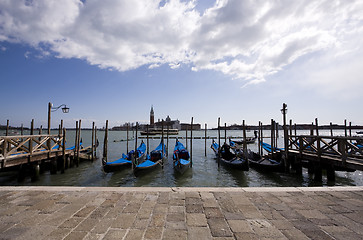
x: 162, y: 144
x: 7, y: 128
x: 135, y: 152
x: 40, y: 132
x: 261, y: 147
x: 205, y: 140
x: 259, y: 138
x: 75, y: 145
x: 64, y: 151
x: 191, y: 143
x: 31, y: 140
x: 127, y: 137
x: 316, y: 127
x: 331, y: 129
x: 345, y: 127
x: 225, y: 132
x: 330, y: 173
x: 48, y: 142
x: 245, y: 153
x: 167, y: 141
x: 350, y: 129
x: 105, y: 143
x: 93, y: 141
x: 219, y: 140
x: 272, y: 137
x: 147, y: 138
x: 286, y: 138
x: 79, y: 140
x: 186, y: 137
x: 96, y: 142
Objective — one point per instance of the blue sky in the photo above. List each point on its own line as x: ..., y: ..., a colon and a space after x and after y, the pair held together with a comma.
x: 203, y: 59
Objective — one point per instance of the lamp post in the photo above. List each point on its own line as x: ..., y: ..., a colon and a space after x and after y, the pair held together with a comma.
x: 65, y: 109
x: 286, y: 140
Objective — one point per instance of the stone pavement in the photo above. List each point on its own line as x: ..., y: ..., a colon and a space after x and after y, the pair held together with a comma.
x: 181, y: 213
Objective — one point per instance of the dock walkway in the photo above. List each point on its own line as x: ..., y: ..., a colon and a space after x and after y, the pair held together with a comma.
x: 181, y: 213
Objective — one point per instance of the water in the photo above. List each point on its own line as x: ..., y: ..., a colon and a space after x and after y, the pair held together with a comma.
x: 204, y: 173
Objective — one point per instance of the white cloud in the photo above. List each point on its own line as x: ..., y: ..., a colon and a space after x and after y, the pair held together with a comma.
x: 246, y: 39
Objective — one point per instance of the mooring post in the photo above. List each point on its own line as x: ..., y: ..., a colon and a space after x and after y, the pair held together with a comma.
x: 295, y: 129
x: 75, y: 145
x: 245, y: 153
x: 48, y: 142
x: 345, y: 128
x: 7, y: 128
x: 79, y: 141
x: 64, y: 150
x: 219, y: 140
x: 162, y: 144
x: 331, y: 129
x: 167, y: 141
x: 93, y: 141
x: 205, y: 140
x: 191, y: 143
x: 272, y: 137
x: 350, y: 129
x: 96, y: 142
x: 127, y: 137
x: 135, y: 152
x: 31, y: 140
x: 286, y: 138
x: 225, y: 132
x: 186, y: 136
x: 259, y: 138
x: 276, y: 132
x: 40, y: 132
x: 147, y: 138
x: 105, y: 143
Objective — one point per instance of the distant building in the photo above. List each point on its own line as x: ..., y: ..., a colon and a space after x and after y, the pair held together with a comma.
x: 184, y: 126
x: 172, y: 124
x: 152, y: 116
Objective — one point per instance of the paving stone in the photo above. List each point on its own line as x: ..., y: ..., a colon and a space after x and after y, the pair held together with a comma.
x: 134, y: 234
x: 196, y: 220
x: 87, y: 224
x: 75, y: 235
x: 213, y: 213
x: 239, y: 226
x: 153, y: 233
x: 71, y: 223
x: 294, y: 233
x: 175, y: 234
x: 175, y: 217
x: 200, y: 233
x: 115, y: 234
x: 176, y: 209
x: 219, y: 227
x: 124, y: 221
x: 102, y: 226
x: 158, y: 220
x: 194, y: 208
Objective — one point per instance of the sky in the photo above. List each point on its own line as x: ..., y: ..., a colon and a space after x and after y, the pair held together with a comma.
x: 233, y: 59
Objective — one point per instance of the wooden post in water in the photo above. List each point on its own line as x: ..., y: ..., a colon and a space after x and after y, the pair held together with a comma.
x: 331, y: 129
x: 93, y: 141
x: 64, y: 151
x: 48, y: 142
x: 272, y: 137
x: 345, y: 127
x: 79, y: 141
x: 162, y: 144
x: 31, y: 139
x: 260, y: 146
x: 276, y: 132
x: 75, y: 145
x: 167, y: 141
x: 259, y: 138
x: 225, y: 132
x: 205, y: 140
x: 245, y: 153
x: 286, y: 138
x: 350, y: 129
x: 295, y: 129
x: 96, y: 142
x: 127, y: 138
x: 105, y: 143
x: 147, y: 138
x: 219, y: 140
x: 7, y: 128
x: 191, y: 143
x: 40, y: 132
x: 186, y: 137
x: 317, y: 126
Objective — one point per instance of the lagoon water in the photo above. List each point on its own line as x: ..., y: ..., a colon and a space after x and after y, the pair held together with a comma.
x: 204, y: 173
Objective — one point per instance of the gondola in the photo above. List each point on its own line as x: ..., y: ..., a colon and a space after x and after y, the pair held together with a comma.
x: 181, y: 160
x: 229, y: 157
x: 248, y: 140
x: 126, y: 160
x: 155, y: 159
x: 264, y: 163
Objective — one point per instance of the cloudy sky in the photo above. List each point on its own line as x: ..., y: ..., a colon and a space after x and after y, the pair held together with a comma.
x: 234, y: 59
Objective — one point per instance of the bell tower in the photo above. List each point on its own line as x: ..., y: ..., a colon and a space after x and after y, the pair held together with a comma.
x: 152, y: 115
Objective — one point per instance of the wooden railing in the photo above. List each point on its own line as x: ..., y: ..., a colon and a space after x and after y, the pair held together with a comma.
x: 333, y: 146
x: 25, y: 145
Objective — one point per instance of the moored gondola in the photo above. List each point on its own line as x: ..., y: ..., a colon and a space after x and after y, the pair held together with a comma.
x: 181, y: 161
x: 264, y: 163
x: 154, y: 160
x: 229, y: 157
x: 126, y: 160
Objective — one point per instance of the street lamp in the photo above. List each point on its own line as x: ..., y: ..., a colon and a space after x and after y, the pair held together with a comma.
x: 65, y: 109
